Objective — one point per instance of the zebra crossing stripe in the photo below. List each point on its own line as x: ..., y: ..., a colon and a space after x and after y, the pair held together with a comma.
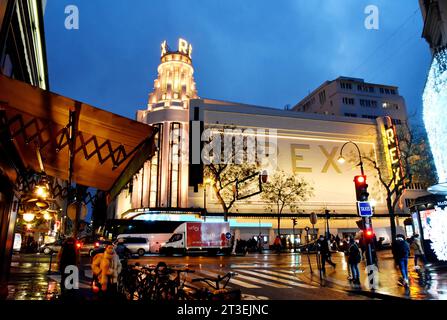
x: 293, y: 283
x: 268, y: 283
x: 233, y: 280
x: 287, y: 276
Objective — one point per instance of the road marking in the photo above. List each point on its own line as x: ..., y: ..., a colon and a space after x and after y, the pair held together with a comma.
x: 233, y: 281
x: 293, y: 283
x: 287, y: 277
x: 268, y: 283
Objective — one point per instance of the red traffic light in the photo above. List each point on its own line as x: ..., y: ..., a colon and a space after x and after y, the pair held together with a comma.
x: 360, y: 179
x: 78, y: 245
x: 369, y: 233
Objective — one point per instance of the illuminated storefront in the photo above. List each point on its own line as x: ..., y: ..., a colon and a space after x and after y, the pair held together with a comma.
x: 306, y: 144
x: 429, y: 215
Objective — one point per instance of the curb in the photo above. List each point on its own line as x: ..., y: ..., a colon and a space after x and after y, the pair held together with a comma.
x: 370, y: 294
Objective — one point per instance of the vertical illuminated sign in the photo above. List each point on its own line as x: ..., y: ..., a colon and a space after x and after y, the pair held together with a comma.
x: 392, y: 153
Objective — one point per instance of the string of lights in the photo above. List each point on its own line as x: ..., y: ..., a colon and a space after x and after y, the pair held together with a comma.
x: 434, y: 101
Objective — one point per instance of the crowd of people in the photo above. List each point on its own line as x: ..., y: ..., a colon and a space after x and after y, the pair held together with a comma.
x: 106, y: 266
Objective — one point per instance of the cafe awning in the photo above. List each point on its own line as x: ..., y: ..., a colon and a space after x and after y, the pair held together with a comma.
x: 77, y: 142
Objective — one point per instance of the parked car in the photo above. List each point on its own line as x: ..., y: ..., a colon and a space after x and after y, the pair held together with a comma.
x: 137, y: 245
x: 50, y: 248
x: 93, y: 247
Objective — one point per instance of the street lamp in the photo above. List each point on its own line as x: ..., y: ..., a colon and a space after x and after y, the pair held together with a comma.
x: 206, y: 181
x: 342, y: 160
x: 367, y: 225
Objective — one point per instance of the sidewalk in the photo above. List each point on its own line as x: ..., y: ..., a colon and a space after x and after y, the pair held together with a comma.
x: 31, y: 279
x: 428, y: 284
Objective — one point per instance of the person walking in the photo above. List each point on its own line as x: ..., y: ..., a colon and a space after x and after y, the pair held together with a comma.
x: 401, y: 252
x: 418, y: 251
x: 68, y: 256
x: 325, y: 253
x: 354, y: 258
x: 106, y: 267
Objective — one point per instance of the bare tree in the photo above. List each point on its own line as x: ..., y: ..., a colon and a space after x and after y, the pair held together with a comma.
x: 225, y: 173
x: 416, y: 165
x: 284, y: 191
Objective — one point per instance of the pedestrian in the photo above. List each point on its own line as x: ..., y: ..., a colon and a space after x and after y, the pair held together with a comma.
x: 418, y: 251
x: 68, y: 256
x: 325, y: 253
x: 401, y: 251
x: 354, y: 258
x: 106, y: 267
x: 277, y: 244
x: 121, y: 250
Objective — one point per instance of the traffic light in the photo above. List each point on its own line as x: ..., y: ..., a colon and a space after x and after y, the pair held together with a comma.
x: 368, y: 234
x: 361, y: 188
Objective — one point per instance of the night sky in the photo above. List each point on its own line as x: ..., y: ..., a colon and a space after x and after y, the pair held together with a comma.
x: 268, y: 53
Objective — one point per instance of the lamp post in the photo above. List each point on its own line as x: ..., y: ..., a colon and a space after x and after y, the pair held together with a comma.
x: 205, y: 183
x: 366, y: 220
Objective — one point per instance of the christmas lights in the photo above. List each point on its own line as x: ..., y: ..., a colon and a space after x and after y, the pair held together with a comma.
x: 437, y: 230
x: 435, y: 104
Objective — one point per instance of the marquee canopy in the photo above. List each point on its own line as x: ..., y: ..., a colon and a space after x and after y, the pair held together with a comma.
x: 77, y: 142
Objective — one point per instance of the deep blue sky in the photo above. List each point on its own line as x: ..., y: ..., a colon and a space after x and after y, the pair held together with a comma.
x: 262, y: 52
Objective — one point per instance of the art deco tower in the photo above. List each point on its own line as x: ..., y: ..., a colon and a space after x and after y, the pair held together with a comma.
x: 163, y: 181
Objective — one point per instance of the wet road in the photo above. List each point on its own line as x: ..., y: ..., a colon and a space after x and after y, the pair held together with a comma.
x: 259, y: 276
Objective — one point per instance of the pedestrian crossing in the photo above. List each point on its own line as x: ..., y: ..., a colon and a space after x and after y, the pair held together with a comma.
x: 281, y: 279
x: 255, y: 278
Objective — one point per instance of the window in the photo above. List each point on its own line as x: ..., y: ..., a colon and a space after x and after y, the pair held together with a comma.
x: 155, y: 170
x: 174, y: 170
x: 368, y: 103
x: 387, y: 91
x: 308, y: 104
x: 382, y: 91
x: 390, y: 105
x: 346, y: 85
x: 349, y: 101
x: 396, y: 121
x: 322, y: 97
x: 393, y: 91
x: 351, y: 115
x: 367, y: 116
x: 371, y: 89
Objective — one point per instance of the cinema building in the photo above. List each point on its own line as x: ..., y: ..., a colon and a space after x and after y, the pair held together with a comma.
x: 171, y: 185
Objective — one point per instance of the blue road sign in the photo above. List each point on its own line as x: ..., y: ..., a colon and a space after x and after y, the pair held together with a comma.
x: 364, y: 209
x: 228, y: 235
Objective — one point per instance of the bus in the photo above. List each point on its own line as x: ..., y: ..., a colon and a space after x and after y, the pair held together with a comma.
x: 115, y: 227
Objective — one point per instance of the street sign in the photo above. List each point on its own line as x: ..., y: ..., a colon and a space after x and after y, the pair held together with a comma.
x: 228, y: 235
x: 364, y: 209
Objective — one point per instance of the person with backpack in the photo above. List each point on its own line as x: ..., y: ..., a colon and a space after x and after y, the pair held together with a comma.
x: 354, y: 258
x: 401, y: 251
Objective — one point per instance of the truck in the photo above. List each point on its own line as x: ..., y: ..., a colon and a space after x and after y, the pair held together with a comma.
x: 210, y: 237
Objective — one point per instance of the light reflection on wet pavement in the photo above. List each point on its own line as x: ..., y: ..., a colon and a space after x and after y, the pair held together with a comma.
x: 30, y: 279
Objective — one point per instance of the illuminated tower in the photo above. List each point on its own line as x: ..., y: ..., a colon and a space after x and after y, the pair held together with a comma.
x: 163, y: 181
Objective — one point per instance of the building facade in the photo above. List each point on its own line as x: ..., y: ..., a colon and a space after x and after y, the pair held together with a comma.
x: 171, y: 185
x: 355, y: 98
x: 22, y: 57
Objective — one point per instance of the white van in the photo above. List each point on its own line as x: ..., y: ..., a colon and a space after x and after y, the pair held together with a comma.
x: 155, y: 240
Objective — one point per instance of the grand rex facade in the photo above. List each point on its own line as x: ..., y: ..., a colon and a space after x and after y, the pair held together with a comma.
x: 171, y: 187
